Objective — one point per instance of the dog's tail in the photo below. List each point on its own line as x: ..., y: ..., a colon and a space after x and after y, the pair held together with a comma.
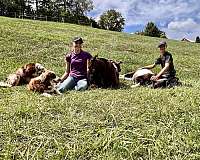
x: 4, y: 84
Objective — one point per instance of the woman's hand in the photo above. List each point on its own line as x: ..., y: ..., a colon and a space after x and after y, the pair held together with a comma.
x: 154, y: 78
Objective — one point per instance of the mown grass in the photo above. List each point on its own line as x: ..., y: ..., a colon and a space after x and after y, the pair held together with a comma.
x: 138, y: 123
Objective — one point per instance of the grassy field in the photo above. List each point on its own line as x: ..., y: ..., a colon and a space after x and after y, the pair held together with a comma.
x: 127, y: 123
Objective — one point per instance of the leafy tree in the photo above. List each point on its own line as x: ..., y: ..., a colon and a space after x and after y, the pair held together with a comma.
x: 112, y: 20
x: 197, y: 39
x: 151, y: 30
x: 13, y: 8
x: 45, y: 8
x: 73, y: 11
x: 93, y: 23
x: 28, y: 7
x: 81, y: 7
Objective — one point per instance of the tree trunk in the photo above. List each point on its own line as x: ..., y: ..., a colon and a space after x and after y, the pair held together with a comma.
x: 36, y: 2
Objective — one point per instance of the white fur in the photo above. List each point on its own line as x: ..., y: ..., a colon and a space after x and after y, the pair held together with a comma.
x: 142, y: 72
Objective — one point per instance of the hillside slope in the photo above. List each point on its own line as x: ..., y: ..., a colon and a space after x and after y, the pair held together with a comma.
x: 139, y: 123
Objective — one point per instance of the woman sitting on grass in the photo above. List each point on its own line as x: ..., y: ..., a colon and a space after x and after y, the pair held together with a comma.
x: 168, y: 72
x: 77, y: 63
x: 166, y: 76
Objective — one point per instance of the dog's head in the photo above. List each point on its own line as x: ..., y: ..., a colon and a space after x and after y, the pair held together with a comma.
x: 13, y: 79
x: 50, y: 75
x: 39, y: 68
x: 29, y: 69
x: 116, y: 65
x: 47, y: 76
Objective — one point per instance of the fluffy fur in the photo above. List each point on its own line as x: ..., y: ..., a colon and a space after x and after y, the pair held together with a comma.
x: 43, y: 83
x: 24, y: 74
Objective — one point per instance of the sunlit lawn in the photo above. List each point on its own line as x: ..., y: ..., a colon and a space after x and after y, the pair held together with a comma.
x: 126, y: 123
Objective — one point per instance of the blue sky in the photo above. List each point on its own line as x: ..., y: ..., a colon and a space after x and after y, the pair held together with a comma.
x: 178, y: 18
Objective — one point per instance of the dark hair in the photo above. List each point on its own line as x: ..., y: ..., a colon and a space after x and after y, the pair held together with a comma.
x: 78, y: 40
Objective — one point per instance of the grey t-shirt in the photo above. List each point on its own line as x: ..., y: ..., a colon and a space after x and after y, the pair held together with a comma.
x: 166, y: 58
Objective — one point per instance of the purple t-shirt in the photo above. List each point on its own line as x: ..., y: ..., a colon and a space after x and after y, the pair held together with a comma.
x: 78, y: 64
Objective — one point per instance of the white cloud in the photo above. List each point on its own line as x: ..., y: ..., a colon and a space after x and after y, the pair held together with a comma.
x: 165, y: 13
x: 186, y: 25
x: 183, y: 29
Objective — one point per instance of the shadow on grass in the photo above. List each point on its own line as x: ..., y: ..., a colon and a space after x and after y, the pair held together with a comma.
x: 183, y: 84
x: 124, y: 85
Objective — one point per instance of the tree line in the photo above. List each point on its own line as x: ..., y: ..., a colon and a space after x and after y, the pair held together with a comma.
x: 70, y: 11
x: 152, y: 30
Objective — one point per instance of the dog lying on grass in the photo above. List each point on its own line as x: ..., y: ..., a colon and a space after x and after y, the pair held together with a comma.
x: 139, y: 77
x: 142, y: 77
x: 44, y: 83
x: 23, y: 75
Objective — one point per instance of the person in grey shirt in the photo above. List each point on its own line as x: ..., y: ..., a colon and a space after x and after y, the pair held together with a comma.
x: 166, y: 61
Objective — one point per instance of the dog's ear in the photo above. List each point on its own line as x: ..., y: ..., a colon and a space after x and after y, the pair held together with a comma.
x: 52, y: 75
x: 49, y: 76
x: 29, y: 65
x: 95, y: 57
x: 30, y: 68
x: 120, y: 62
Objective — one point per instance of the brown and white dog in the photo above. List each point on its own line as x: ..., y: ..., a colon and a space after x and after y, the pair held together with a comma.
x: 24, y: 74
x: 43, y: 83
x: 139, y: 77
x: 142, y: 76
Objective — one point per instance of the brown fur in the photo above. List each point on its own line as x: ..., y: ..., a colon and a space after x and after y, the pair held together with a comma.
x: 104, y: 73
x: 43, y: 83
x: 24, y: 74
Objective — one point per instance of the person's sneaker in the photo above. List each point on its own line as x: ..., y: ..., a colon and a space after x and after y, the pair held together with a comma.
x: 46, y: 95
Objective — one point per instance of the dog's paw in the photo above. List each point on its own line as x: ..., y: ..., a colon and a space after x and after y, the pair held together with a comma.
x: 135, y: 85
x: 4, y: 84
x: 46, y: 95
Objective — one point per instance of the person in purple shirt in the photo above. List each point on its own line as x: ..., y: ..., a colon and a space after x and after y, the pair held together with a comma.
x: 77, y: 68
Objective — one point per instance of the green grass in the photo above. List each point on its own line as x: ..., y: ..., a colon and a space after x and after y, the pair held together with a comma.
x: 139, y: 123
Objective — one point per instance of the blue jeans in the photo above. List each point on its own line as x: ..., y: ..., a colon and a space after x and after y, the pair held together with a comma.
x: 72, y: 83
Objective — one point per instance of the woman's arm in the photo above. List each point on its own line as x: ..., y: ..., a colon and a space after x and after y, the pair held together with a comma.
x: 66, y: 74
x: 149, y: 66
x: 161, y: 72
x: 88, y: 65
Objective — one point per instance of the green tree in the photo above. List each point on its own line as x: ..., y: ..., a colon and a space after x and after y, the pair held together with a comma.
x: 112, y: 20
x: 12, y: 8
x: 45, y: 8
x: 93, y: 23
x: 197, y: 39
x: 151, y: 30
x: 75, y: 10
